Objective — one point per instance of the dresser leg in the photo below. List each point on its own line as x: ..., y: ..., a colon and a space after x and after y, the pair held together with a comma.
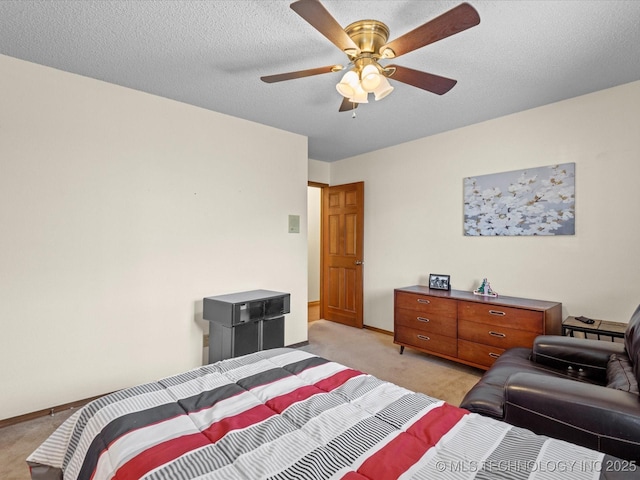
x: 401, y: 349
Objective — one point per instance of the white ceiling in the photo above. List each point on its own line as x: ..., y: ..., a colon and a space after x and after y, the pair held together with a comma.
x: 523, y: 54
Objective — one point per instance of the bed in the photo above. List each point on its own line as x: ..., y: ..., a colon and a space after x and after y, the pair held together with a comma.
x: 288, y: 414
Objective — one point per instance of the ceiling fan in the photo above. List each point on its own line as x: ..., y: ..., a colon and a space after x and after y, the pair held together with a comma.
x: 365, y: 44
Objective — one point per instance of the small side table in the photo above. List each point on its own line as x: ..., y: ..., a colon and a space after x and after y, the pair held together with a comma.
x: 598, y: 328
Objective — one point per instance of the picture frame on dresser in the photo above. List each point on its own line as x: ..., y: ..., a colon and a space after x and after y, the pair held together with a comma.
x: 439, y: 281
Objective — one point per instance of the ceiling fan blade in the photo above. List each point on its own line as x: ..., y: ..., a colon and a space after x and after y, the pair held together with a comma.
x: 300, y: 74
x: 320, y: 18
x: 347, y: 105
x: 449, y: 23
x: 426, y: 81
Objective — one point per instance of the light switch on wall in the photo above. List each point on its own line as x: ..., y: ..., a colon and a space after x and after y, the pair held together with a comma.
x: 294, y: 223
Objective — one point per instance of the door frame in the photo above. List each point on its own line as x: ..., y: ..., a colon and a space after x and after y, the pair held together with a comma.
x: 322, y: 187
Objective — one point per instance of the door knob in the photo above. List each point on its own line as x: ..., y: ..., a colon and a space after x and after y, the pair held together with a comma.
x: 358, y: 262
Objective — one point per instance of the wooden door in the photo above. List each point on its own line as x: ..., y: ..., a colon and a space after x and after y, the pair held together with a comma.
x: 342, y: 253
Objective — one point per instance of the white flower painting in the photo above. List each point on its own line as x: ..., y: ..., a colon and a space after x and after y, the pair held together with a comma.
x: 536, y: 201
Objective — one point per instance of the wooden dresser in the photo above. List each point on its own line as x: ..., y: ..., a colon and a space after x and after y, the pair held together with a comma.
x: 468, y: 328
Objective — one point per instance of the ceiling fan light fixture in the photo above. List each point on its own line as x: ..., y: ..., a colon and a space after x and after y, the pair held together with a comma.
x: 360, y: 96
x: 371, y: 78
x: 383, y: 89
x: 348, y: 84
x: 365, y: 42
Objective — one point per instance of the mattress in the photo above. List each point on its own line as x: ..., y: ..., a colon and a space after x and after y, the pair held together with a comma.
x: 288, y: 414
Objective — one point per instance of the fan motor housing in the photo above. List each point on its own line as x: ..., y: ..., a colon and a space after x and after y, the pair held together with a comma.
x: 368, y: 35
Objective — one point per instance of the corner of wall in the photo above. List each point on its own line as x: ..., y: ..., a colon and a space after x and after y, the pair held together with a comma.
x: 319, y: 171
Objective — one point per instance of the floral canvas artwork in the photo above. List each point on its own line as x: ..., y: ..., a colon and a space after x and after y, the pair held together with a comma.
x: 535, y: 201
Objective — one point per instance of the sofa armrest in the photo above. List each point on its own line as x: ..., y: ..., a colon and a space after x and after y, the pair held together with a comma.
x: 585, y: 357
x: 596, y: 417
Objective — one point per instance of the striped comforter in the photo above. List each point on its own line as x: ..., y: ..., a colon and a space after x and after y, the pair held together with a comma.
x: 288, y: 414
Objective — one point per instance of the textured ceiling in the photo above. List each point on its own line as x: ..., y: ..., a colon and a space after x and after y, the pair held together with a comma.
x: 523, y: 54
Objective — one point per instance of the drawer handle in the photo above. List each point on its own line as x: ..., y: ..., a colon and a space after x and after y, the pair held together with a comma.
x: 423, y: 337
x: 494, y: 355
x: 497, y: 334
x: 497, y: 312
x: 422, y: 319
x: 422, y: 300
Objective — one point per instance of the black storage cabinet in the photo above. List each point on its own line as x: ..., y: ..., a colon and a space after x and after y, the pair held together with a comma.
x: 245, y: 322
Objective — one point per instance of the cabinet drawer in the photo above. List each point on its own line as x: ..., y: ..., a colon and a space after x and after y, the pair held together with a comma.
x: 495, y: 335
x: 507, y: 317
x: 426, y: 340
x: 423, y: 303
x: 478, y: 353
x: 427, y: 322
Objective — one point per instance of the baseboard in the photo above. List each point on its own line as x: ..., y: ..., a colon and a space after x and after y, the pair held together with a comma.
x: 49, y: 411
x: 379, y: 330
x: 314, y: 304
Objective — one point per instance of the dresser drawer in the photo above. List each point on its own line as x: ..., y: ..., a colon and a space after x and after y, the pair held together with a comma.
x: 506, y: 317
x: 495, y: 335
x: 426, y: 322
x: 478, y: 353
x: 426, y: 340
x: 425, y: 304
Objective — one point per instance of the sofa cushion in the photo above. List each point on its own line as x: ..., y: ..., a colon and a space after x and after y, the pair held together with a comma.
x: 487, y: 396
x: 620, y: 374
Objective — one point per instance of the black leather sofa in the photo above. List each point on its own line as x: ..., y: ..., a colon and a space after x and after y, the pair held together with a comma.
x: 578, y: 390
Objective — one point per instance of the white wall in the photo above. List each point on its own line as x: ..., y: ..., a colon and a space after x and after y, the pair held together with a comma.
x: 120, y: 211
x: 414, y: 211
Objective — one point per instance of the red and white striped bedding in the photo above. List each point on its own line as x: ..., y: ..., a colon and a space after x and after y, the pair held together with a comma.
x: 288, y: 414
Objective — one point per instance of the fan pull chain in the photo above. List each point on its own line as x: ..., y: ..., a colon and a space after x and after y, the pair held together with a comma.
x: 353, y: 115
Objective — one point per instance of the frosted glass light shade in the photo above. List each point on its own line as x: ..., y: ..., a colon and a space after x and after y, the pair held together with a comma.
x: 360, y: 96
x: 383, y: 89
x: 348, y: 84
x: 371, y: 78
